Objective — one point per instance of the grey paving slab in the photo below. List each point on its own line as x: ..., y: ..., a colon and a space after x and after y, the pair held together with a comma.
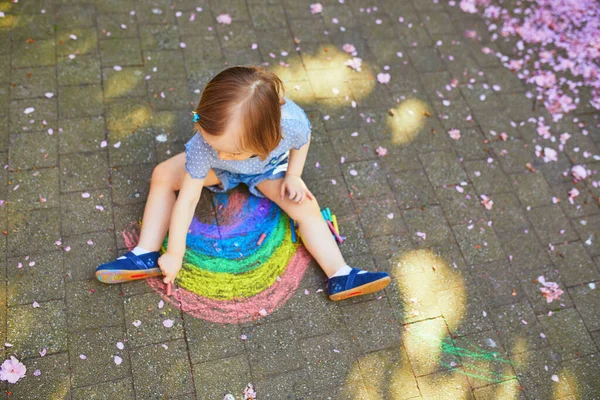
x: 464, y: 316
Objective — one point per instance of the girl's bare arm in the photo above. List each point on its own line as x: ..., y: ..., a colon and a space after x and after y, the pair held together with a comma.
x: 182, y: 214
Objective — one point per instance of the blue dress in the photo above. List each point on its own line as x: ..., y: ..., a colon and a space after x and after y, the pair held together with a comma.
x: 201, y: 157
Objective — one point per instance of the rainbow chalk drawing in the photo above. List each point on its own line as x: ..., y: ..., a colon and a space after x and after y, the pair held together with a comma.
x: 238, y: 263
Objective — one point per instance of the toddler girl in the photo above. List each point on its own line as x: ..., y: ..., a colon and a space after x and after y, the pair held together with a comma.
x: 247, y: 132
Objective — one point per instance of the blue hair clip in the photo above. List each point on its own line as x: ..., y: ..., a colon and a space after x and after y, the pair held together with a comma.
x: 196, y: 116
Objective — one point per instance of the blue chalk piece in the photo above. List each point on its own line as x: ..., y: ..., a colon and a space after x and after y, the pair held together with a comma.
x: 293, y: 230
x: 328, y: 212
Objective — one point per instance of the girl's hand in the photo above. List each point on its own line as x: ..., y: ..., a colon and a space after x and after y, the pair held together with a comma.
x: 296, y: 188
x: 170, y: 266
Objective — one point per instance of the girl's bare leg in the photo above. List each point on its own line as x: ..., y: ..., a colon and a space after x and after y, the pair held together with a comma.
x: 316, y: 236
x: 166, y: 180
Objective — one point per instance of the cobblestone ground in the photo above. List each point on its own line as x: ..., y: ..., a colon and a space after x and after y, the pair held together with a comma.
x: 464, y: 316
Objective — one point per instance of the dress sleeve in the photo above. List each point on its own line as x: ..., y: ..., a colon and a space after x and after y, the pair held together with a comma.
x: 298, y: 130
x: 196, y: 158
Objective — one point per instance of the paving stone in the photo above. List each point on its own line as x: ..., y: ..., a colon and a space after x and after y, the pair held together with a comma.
x: 472, y: 145
x: 31, y: 329
x: 423, y: 347
x: 99, y: 346
x: 43, y: 116
x: 367, y: 179
x: 567, y: 334
x: 219, y: 377
x: 160, y: 37
x: 131, y: 183
x: 586, y: 299
x: 551, y: 225
x: 272, y: 348
x: 111, y: 20
x: 37, y: 278
x: 588, y: 229
x: 128, y: 82
x: 513, y: 155
x: 145, y: 308
x: 54, y: 377
x: 352, y: 148
x: 33, y: 189
x: 175, y: 92
x: 460, y: 207
x: 518, y: 328
x: 498, y: 284
x: 127, y: 140
x: 209, y: 341
x: 443, y: 168
x: 387, y: 251
x: 81, y: 101
x: 125, y: 217
x: 81, y: 135
x: 319, y: 162
x: 81, y: 215
x: 83, y: 69
x: 484, y: 359
x: 524, y: 249
x: 33, y: 82
x: 93, y: 304
x: 454, y: 114
x: 487, y: 177
x: 32, y: 231
x: 388, y: 372
x: 535, y: 369
x: 32, y: 150
x: 77, y: 16
x: 166, y: 64
x: 585, y: 370
x: 582, y: 205
x: 499, y: 390
x: 412, y: 189
x: 289, y: 384
x: 87, y: 252
x: 532, y: 189
x: 428, y: 220
x: 329, y: 358
x: 120, y: 389
x: 478, y: 243
x: 120, y: 52
x: 86, y: 41
x: 36, y: 54
x: 506, y: 79
x: 127, y: 114
x: 380, y: 216
x: 371, y: 326
x: 81, y: 171
x: 462, y: 308
x: 574, y: 264
x: 158, y: 371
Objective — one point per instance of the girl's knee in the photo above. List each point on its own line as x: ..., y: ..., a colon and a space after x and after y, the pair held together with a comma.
x: 307, y: 209
x: 161, y: 174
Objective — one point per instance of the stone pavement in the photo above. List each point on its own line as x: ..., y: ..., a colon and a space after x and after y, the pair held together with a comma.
x: 464, y: 316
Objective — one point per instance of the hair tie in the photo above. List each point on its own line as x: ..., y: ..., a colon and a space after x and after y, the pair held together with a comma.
x: 196, y: 116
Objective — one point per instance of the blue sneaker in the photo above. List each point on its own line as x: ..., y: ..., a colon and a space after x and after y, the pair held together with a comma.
x: 129, y: 269
x: 353, y: 284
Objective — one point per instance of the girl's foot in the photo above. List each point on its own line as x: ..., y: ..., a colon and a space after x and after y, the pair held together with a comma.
x: 130, y: 268
x: 356, y: 283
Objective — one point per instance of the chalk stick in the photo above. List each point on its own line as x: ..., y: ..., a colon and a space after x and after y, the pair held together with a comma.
x: 168, y: 288
x: 328, y: 211
x: 260, y: 239
x: 335, y: 224
x: 292, y: 227
x: 337, y: 237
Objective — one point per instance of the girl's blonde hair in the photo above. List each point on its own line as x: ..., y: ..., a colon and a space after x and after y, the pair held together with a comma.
x: 258, y: 93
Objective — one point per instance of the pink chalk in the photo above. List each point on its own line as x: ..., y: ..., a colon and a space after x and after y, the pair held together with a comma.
x: 260, y: 240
